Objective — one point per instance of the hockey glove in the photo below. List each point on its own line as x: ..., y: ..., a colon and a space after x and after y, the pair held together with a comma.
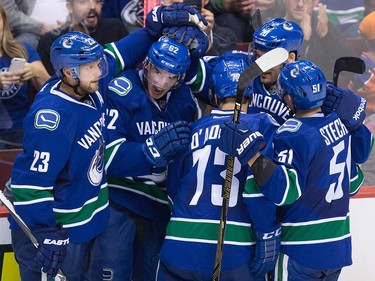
x: 176, y: 14
x: 168, y: 141
x: 52, y: 249
x: 240, y: 141
x: 348, y: 106
x: 191, y: 36
x: 267, y: 250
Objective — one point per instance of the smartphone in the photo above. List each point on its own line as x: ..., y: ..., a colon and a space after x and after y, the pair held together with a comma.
x: 197, y: 4
x: 17, y: 64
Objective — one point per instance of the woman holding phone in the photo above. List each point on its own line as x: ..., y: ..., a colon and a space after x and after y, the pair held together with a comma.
x: 28, y: 74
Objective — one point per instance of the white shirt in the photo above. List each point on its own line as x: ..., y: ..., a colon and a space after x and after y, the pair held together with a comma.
x: 50, y: 11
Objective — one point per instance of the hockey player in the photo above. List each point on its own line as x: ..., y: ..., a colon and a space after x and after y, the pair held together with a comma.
x: 275, y: 33
x: 149, y: 112
x: 315, y: 172
x: 58, y: 182
x: 195, y: 185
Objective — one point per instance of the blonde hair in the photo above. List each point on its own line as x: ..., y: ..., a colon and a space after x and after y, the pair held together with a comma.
x: 10, y: 46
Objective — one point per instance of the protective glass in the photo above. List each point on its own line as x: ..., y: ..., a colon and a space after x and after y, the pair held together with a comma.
x: 254, y: 53
x: 279, y: 90
x: 306, y: 1
x: 93, y: 71
x: 160, y: 78
x: 84, y: 2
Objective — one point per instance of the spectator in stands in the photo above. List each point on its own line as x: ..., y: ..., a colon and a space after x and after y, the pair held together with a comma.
x: 369, y: 6
x: 222, y: 39
x: 85, y: 16
x: 236, y: 15
x: 113, y: 8
x: 345, y: 14
x: 364, y: 84
x: 368, y: 166
x: 32, y: 18
x: 132, y: 14
x: 323, y: 41
x: 276, y: 11
x: 14, y: 87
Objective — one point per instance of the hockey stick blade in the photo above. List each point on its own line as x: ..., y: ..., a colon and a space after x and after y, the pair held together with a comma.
x: 60, y: 276
x: 264, y: 63
x: 350, y: 64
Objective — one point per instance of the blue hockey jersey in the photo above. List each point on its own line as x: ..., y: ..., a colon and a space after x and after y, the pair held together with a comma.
x: 59, y: 177
x: 132, y: 117
x: 15, y: 100
x: 312, y: 184
x: 265, y: 101
x: 195, y: 186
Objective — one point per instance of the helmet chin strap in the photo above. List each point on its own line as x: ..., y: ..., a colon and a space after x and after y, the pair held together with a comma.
x: 75, y: 88
x: 292, y: 112
x: 144, y: 81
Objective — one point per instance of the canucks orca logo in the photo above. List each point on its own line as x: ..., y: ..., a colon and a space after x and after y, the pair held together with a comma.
x: 291, y: 125
x: 47, y: 119
x: 95, y: 172
x: 67, y: 43
x: 121, y: 86
x: 11, y: 91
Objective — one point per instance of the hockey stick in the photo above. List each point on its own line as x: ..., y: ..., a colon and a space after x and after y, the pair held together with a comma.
x: 256, y: 20
x: 60, y: 275
x: 350, y: 64
x: 265, y: 62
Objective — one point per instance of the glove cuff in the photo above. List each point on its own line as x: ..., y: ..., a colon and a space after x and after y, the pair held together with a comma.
x: 52, y: 237
x: 268, y: 235
x: 151, y: 152
x: 154, y: 26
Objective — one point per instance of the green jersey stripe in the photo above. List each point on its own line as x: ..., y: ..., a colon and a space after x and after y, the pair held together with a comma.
x: 151, y: 191
x: 356, y: 183
x: 293, y: 190
x: 78, y: 223
x: 111, y: 150
x: 26, y: 196
x: 199, y: 230
x: 316, y: 232
x: 78, y: 215
x: 114, y: 52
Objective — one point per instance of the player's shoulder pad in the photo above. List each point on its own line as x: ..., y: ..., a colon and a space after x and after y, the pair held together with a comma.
x: 210, y: 58
x: 235, y: 55
x: 270, y: 118
x: 47, y: 119
x: 121, y: 86
x: 290, y: 125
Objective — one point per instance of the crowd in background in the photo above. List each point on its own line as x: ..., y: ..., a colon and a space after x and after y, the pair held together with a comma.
x: 330, y: 29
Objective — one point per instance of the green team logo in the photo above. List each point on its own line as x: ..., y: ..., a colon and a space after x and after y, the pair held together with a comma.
x: 47, y: 119
x: 121, y: 86
x: 291, y: 125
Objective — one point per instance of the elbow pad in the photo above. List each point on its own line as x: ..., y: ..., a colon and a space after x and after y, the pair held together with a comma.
x: 263, y: 169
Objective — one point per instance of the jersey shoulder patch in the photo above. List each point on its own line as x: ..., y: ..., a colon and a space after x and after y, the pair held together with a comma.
x: 291, y: 125
x: 121, y: 86
x: 271, y: 119
x: 47, y: 119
